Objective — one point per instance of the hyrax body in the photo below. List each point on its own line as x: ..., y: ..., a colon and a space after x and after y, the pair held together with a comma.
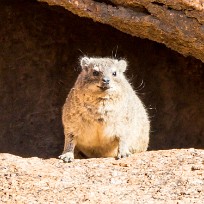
x: 102, y: 115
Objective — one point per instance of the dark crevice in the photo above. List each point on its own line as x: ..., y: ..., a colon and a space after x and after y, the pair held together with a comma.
x: 141, y: 10
x: 169, y: 8
x: 106, y: 2
x: 158, y: 3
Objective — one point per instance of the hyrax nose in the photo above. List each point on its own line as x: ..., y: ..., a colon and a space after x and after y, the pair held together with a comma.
x: 105, y: 80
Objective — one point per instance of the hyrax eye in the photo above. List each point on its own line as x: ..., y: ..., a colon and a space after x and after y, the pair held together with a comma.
x: 114, y: 73
x: 95, y: 73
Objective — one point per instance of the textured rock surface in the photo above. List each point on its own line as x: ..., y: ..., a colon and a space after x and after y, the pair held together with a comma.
x: 175, y: 176
x: 177, y: 24
x: 40, y: 46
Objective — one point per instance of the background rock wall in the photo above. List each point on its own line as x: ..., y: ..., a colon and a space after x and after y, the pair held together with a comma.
x: 40, y: 47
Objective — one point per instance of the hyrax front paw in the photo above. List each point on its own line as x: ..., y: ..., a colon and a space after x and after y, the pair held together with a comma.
x: 67, y: 157
x: 123, y: 150
x: 123, y: 154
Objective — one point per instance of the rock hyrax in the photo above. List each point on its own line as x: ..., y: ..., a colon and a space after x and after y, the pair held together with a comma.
x: 102, y: 115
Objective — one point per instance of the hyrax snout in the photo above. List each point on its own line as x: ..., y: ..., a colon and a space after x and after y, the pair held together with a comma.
x: 102, y: 115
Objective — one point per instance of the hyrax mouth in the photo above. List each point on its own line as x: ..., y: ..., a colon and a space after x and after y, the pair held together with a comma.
x: 104, y: 87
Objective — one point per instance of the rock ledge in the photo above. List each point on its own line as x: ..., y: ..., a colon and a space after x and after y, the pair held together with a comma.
x: 176, y: 176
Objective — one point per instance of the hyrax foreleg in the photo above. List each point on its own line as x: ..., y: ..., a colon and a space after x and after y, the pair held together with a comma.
x: 123, y: 150
x: 68, y: 153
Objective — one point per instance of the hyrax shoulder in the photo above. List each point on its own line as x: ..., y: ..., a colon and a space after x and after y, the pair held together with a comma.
x: 102, y: 115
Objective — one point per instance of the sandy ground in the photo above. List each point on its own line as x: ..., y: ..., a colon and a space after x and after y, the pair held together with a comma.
x: 170, y: 176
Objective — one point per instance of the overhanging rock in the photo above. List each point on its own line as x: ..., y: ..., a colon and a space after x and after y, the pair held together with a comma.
x: 179, y: 24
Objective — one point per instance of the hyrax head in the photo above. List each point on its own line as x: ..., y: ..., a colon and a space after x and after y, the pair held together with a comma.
x: 102, y: 73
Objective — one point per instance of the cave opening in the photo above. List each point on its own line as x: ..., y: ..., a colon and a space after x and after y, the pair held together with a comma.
x: 40, y: 48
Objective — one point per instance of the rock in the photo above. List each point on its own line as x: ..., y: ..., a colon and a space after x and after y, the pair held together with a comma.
x: 149, y: 177
x: 177, y: 24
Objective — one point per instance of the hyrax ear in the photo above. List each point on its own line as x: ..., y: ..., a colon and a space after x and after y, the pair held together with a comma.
x: 85, y: 62
x: 122, y: 65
